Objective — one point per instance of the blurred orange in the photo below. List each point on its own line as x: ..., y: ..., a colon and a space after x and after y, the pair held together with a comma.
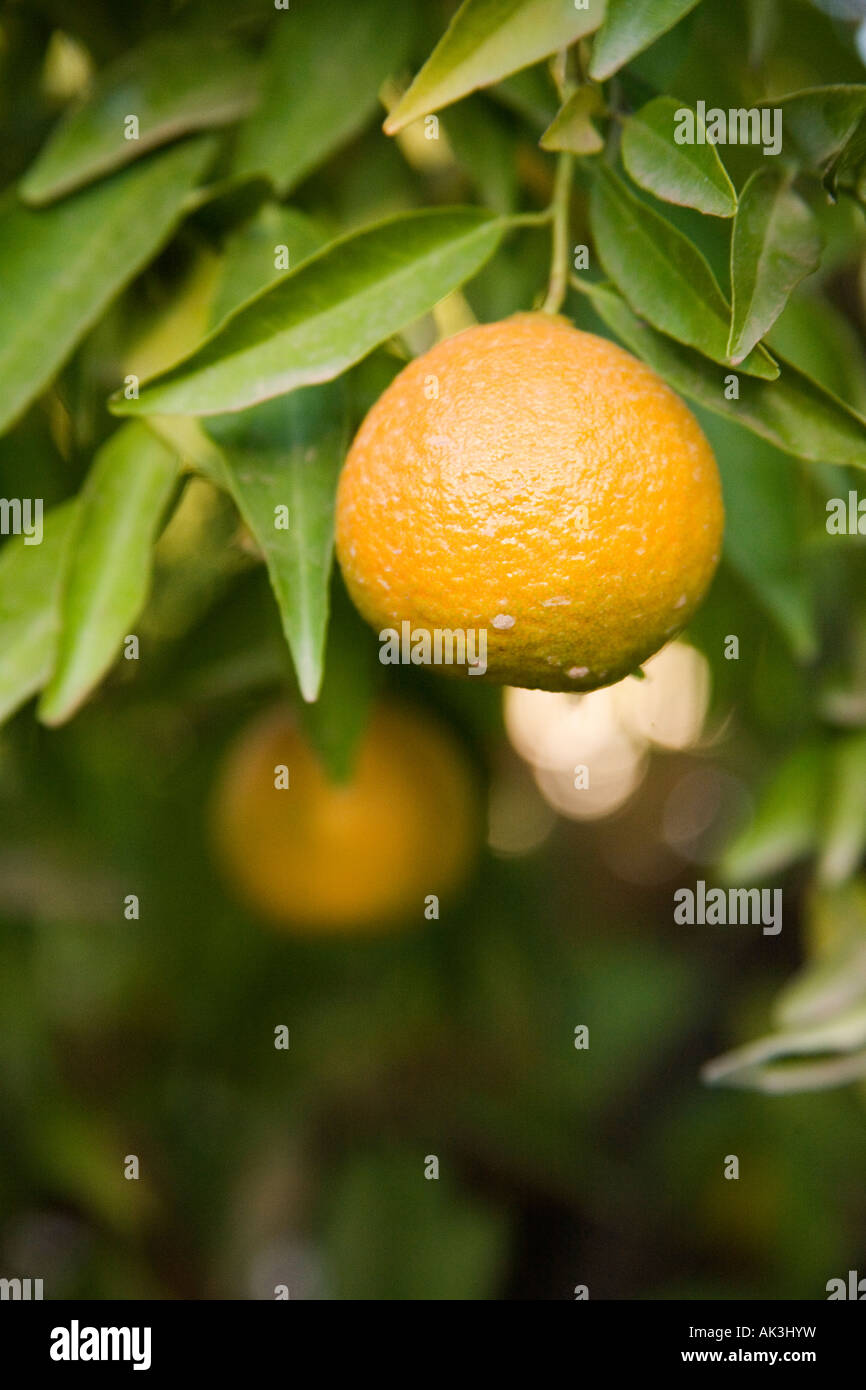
x: 367, y: 853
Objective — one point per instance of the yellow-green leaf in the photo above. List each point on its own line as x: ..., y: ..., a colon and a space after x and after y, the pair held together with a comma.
x: 488, y: 40
x: 122, y: 504
x: 327, y: 314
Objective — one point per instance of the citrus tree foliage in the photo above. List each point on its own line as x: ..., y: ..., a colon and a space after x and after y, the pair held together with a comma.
x: 224, y: 228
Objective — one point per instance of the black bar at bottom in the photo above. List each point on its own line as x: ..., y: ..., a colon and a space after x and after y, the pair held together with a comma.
x: 81, y: 1338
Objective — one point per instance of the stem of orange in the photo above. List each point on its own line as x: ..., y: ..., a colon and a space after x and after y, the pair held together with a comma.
x: 559, y: 257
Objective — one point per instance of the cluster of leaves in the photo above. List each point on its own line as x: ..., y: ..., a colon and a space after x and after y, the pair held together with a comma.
x: 238, y: 281
x: 153, y: 260
x: 95, y: 207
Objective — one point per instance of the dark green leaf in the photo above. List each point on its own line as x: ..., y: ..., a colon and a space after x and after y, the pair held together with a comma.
x: 662, y: 274
x: 171, y: 86
x: 818, y: 122
x: 793, y: 413
x: 776, y: 244
x: 483, y: 146
x: 253, y: 252
x: 572, y: 128
x: 691, y: 175
x: 820, y: 340
x: 285, y: 454
x: 122, y: 504
x: 325, y: 66
x: 530, y: 93
x: 30, y: 586
x: 487, y: 40
x: 282, y: 460
x: 62, y: 266
x: 629, y: 28
x: 765, y: 529
x: 327, y: 314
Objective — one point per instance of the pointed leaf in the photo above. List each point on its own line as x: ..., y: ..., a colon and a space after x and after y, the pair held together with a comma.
x: 692, y: 176
x: 62, y: 266
x: 30, y: 587
x: 776, y: 244
x: 629, y: 28
x: 282, y: 460
x: 321, y: 318
x: 662, y: 274
x: 769, y: 1064
x: 487, y: 40
x: 794, y: 413
x: 122, y: 504
x: 572, y: 128
x: 326, y: 64
x: 285, y: 453
x: 171, y: 87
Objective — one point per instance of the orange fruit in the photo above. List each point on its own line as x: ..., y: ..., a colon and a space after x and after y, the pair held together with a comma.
x: 537, y: 484
x: 364, y: 854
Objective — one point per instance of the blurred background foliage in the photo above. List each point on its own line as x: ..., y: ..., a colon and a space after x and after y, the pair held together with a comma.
x: 558, y: 1166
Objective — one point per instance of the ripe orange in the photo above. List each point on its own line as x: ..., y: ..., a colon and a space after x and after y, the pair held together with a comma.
x: 322, y: 855
x: 538, y: 484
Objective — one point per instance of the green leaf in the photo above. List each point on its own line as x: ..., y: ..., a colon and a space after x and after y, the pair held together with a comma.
x: 30, y: 586
x: 794, y: 413
x: 757, y: 483
x: 530, y: 94
x: 483, y: 146
x: 819, y: 121
x: 843, y: 833
x: 823, y: 342
x: 784, y: 827
x: 170, y: 86
x: 847, y: 168
x: 781, y: 1063
x: 287, y: 454
x: 251, y: 255
x: 122, y: 504
x: 776, y: 244
x: 692, y: 176
x: 326, y: 64
x: 662, y: 274
x: 631, y: 27
x: 487, y: 40
x: 62, y: 266
x: 820, y: 1014
x: 572, y: 128
x: 327, y: 314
